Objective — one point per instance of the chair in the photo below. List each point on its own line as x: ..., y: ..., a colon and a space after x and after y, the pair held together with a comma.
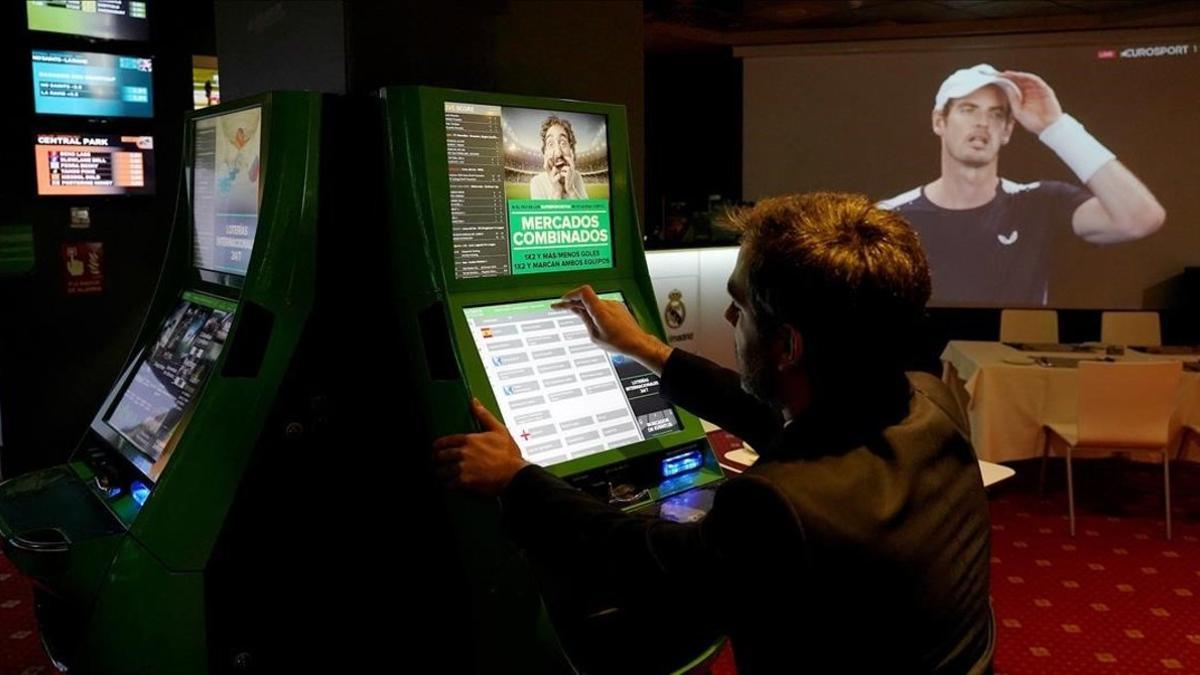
x: 1187, y: 430
x: 1130, y: 328
x: 1122, y: 406
x: 1029, y: 325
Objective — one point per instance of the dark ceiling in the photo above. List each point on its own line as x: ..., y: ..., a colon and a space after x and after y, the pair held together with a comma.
x: 688, y: 24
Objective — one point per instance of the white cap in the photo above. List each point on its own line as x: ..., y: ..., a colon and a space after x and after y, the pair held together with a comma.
x: 967, y: 80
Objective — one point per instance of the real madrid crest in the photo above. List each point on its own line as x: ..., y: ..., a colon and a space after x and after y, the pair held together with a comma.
x: 676, y: 311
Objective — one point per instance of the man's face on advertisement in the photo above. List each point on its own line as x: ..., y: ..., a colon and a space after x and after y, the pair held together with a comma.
x: 557, y: 152
x: 974, y: 127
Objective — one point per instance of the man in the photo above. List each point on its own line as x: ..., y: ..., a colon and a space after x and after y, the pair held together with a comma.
x: 859, y: 541
x: 559, y: 178
x: 990, y: 240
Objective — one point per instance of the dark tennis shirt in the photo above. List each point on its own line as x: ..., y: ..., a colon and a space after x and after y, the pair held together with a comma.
x: 998, y: 253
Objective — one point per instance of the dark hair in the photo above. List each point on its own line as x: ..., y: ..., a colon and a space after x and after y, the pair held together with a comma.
x: 850, y: 276
x: 565, y: 124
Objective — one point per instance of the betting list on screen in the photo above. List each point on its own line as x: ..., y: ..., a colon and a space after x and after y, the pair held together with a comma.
x: 529, y: 190
x: 174, y: 369
x: 92, y: 85
x: 561, y: 396
x: 105, y: 19
x: 226, y: 189
x: 93, y: 164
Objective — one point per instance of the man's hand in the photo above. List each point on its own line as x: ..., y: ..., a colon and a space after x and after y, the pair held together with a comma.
x: 1037, y: 107
x: 555, y: 170
x: 568, y: 179
x: 614, y: 328
x: 483, y: 462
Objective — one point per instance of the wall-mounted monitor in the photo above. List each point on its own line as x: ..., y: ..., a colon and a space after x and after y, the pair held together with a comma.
x: 105, y: 19
x: 69, y: 164
x: 92, y: 85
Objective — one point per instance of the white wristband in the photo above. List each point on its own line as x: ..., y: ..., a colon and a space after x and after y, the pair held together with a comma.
x: 1076, y: 147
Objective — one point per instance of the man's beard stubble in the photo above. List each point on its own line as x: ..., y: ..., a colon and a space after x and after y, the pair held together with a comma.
x: 757, y: 377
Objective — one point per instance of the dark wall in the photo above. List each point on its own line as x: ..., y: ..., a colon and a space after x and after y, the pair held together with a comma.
x: 59, y: 354
x: 586, y: 49
x: 693, y: 130
x: 268, y: 45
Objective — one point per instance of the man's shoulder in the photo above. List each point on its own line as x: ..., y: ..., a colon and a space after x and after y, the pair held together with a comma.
x: 934, y: 390
x: 903, y: 200
x: 539, y: 186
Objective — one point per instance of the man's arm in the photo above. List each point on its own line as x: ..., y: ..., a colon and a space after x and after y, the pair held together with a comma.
x: 715, y: 394
x: 1123, y: 209
x: 695, y: 383
x: 751, y: 528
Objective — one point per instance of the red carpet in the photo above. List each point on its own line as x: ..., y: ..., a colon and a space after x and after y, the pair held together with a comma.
x: 1118, y: 598
x: 20, y: 648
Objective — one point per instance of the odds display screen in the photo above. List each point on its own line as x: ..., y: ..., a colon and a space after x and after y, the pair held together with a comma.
x: 93, y: 164
x: 560, y: 395
x: 173, y: 372
x: 529, y: 190
x: 105, y: 19
x: 92, y: 85
x: 226, y: 189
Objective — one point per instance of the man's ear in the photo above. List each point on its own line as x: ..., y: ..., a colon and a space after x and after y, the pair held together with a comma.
x: 791, y: 346
x: 938, y: 122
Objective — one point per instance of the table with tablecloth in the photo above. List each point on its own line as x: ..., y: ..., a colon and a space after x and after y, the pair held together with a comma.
x: 1009, y: 397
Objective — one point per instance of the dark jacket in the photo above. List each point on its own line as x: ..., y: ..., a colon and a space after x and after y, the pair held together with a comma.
x: 859, y: 542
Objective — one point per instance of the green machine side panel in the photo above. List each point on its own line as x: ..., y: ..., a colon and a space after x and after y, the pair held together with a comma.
x: 146, y: 620
x: 195, y: 491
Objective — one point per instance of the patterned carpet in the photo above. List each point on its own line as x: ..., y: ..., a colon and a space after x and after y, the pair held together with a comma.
x: 20, y: 648
x: 1118, y: 598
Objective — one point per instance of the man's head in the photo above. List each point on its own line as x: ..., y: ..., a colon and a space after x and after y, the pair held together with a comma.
x: 973, y: 116
x: 558, y: 145
x: 827, y: 287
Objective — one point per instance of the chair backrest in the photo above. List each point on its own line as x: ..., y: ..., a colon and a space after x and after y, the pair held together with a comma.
x: 1029, y: 325
x: 1127, y: 405
x: 1130, y: 328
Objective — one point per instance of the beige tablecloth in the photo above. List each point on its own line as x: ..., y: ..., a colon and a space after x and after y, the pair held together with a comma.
x: 1007, y: 404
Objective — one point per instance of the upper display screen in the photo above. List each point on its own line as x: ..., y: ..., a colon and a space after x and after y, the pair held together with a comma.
x: 226, y: 189
x: 529, y: 190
